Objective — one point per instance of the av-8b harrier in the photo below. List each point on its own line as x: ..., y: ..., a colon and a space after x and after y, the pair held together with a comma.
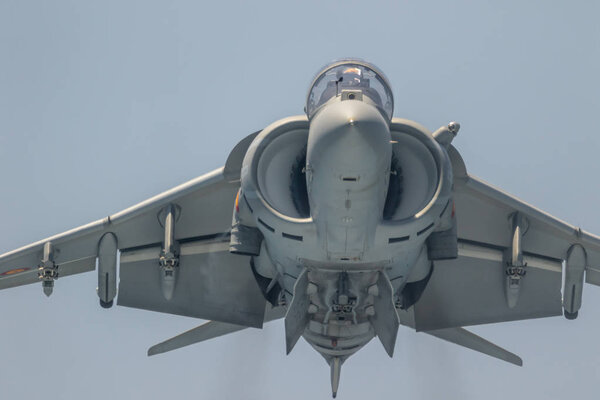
x: 345, y: 222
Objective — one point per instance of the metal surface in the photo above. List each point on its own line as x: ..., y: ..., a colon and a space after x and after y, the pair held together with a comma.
x: 296, y: 317
x: 385, y: 320
x: 213, y: 284
x: 463, y: 337
x: 515, y: 266
x: 573, y: 288
x: 169, y: 255
x: 208, y: 330
x: 344, y: 213
x: 470, y: 290
x: 48, y: 270
x: 107, y: 269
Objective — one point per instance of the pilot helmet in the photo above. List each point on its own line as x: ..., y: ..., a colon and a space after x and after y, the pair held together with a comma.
x: 351, y: 77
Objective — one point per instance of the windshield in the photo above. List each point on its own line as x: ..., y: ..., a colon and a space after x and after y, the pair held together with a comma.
x: 352, y: 75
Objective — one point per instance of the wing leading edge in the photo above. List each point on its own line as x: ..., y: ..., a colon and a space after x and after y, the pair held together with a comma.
x: 200, y: 212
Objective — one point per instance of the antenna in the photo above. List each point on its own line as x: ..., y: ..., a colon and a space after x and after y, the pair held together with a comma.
x: 337, y: 84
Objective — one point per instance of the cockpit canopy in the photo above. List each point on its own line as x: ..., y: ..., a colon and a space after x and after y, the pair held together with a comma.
x: 353, y: 78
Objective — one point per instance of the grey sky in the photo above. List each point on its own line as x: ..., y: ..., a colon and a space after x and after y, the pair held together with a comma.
x: 103, y: 104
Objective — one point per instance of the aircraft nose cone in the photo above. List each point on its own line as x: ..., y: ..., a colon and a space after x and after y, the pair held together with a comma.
x: 347, y: 162
x: 349, y: 137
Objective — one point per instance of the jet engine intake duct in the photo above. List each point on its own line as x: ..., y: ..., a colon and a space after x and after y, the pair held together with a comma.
x: 280, y: 171
x: 395, y: 188
x: 298, y: 189
x: 414, y: 171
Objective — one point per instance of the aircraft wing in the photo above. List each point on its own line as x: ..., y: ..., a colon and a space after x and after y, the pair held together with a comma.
x: 212, y: 283
x: 472, y: 289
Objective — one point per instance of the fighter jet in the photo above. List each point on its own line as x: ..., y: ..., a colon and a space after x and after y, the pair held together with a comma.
x: 346, y: 222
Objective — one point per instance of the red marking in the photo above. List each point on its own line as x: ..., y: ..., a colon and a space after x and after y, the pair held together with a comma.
x: 453, y: 209
x: 14, y: 271
x: 333, y: 342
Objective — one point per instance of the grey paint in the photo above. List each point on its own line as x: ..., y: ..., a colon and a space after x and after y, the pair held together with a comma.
x: 117, y: 72
x: 212, y: 284
x: 217, y: 285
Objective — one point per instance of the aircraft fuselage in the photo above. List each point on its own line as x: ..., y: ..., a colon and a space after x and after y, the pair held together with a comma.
x: 356, y: 262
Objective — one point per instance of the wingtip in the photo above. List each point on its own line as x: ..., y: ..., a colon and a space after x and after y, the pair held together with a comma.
x: 518, y: 362
x: 513, y: 359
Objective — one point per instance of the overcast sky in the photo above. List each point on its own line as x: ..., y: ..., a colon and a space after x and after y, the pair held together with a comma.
x: 106, y: 103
